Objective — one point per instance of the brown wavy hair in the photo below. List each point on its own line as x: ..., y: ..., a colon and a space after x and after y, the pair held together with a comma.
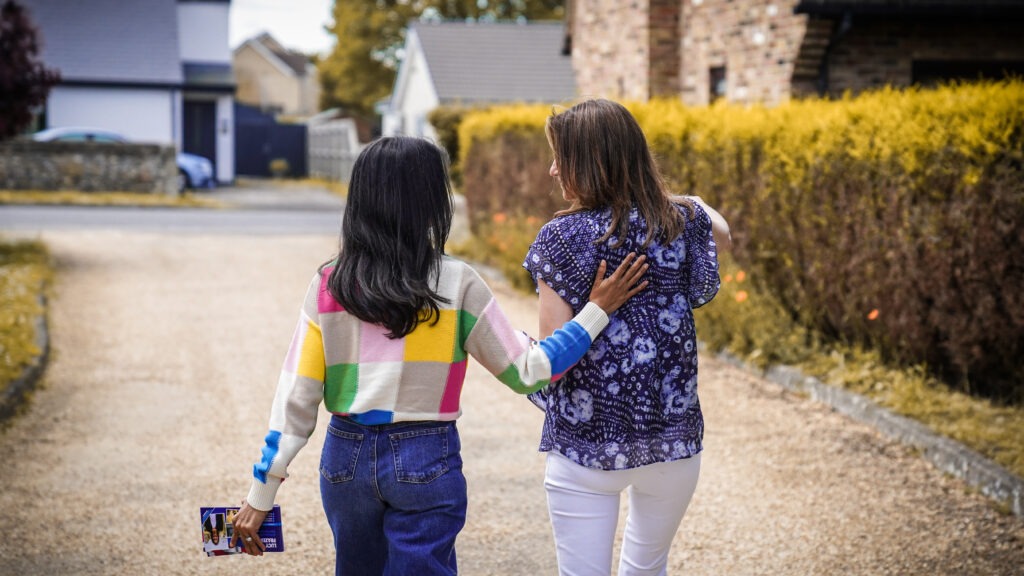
x: 603, y: 161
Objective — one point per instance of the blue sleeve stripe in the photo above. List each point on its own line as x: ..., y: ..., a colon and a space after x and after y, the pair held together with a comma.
x: 566, y: 346
x: 374, y: 417
x: 270, y: 449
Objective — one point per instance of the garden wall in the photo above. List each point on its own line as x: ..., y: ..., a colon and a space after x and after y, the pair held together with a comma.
x: 88, y: 167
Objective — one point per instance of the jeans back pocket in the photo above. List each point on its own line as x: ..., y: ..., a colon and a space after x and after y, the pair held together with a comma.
x: 338, y: 459
x: 422, y: 455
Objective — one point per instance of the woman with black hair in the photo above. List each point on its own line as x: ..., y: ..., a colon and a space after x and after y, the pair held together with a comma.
x: 382, y: 340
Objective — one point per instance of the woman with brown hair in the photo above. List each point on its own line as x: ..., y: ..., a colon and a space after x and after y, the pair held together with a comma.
x: 627, y: 415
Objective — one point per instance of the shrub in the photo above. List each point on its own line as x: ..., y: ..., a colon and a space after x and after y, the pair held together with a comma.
x: 446, y: 121
x: 509, y: 174
x: 279, y: 167
x: 502, y: 242
x: 895, y: 205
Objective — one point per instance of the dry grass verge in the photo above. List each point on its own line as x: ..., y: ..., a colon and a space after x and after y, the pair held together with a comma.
x: 24, y: 270
x: 339, y: 189
x: 75, y: 198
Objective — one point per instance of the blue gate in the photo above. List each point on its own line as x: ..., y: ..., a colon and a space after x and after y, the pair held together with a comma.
x: 259, y: 139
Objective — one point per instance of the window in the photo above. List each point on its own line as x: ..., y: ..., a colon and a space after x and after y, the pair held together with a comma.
x: 717, y: 84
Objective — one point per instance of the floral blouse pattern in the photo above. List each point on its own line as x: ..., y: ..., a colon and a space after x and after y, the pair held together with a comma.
x: 632, y: 399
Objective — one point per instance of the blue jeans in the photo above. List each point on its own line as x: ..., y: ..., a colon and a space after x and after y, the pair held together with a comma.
x: 394, y: 495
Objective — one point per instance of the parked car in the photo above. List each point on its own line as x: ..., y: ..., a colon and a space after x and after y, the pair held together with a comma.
x: 193, y: 171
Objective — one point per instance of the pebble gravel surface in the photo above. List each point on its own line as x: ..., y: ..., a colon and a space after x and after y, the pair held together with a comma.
x: 166, y: 355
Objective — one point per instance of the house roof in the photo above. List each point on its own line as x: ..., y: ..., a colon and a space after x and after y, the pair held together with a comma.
x: 109, y: 41
x: 294, y: 61
x: 912, y: 7
x: 496, y: 62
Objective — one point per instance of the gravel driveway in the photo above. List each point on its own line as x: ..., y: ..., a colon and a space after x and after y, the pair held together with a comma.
x: 167, y: 350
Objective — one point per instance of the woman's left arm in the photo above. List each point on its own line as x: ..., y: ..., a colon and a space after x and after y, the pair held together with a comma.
x: 702, y: 250
x: 719, y: 226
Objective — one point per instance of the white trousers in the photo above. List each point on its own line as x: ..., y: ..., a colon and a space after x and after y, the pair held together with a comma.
x: 584, y: 507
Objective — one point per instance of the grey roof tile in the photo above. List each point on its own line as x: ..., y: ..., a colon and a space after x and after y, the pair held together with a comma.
x: 497, y: 62
x: 297, y: 61
x: 134, y: 41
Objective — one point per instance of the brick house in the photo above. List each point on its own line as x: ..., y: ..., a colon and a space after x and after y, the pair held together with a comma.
x: 772, y: 50
x: 274, y: 78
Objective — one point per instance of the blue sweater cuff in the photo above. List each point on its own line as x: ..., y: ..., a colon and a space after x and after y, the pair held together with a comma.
x: 567, y: 345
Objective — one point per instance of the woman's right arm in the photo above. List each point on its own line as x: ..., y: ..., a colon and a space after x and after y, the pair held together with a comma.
x: 554, y: 312
x: 300, y: 390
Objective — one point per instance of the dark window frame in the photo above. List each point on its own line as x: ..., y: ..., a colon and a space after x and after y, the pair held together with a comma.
x: 718, y: 83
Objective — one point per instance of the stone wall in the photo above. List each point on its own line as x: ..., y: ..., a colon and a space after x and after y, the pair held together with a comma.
x: 611, y: 48
x: 663, y: 75
x: 88, y: 167
x: 640, y: 49
x: 756, y: 41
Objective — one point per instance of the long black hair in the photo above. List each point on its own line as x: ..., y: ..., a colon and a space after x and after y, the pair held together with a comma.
x: 397, y: 219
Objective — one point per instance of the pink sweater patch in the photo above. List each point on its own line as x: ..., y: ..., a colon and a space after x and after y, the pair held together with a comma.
x: 453, y: 388
x: 325, y: 303
x: 511, y: 340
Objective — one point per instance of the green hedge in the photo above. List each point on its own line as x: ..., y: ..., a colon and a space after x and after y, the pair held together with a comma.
x: 887, y: 221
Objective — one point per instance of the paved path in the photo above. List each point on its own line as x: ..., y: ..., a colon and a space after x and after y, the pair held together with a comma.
x: 167, y: 349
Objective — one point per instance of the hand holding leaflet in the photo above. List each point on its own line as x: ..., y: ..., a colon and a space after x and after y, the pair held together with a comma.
x: 219, y: 537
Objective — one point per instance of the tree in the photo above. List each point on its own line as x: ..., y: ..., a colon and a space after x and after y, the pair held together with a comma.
x: 361, y: 68
x: 24, y: 81
x: 356, y: 73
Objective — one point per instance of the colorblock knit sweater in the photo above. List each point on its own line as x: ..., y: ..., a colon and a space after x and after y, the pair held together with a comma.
x: 356, y: 371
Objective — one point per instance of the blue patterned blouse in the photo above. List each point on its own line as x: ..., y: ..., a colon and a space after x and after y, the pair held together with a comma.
x: 632, y: 400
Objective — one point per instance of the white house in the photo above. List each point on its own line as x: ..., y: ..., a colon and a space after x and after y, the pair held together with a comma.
x: 476, y: 63
x: 154, y: 70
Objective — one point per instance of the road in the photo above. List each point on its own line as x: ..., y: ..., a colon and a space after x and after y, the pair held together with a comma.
x: 167, y: 348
